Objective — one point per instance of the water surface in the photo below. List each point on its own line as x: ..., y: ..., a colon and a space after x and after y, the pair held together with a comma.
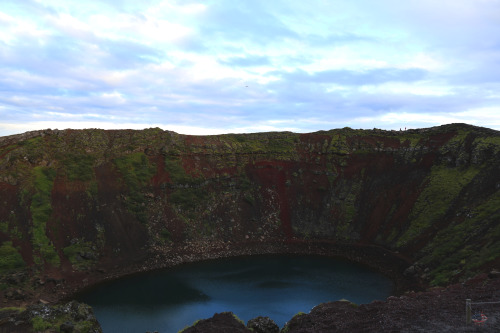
x: 276, y: 286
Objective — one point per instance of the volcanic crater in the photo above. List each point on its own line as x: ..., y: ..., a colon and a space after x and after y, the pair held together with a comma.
x: 79, y: 207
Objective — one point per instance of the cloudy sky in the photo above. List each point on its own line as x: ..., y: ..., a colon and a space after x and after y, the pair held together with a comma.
x: 233, y: 66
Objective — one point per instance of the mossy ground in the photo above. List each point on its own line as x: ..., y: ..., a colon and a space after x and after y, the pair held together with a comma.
x: 136, y: 172
x: 81, y: 254
x: 78, y: 166
x: 41, y: 210
x: 10, y: 258
x: 443, y: 186
x: 187, y: 192
x: 448, y: 250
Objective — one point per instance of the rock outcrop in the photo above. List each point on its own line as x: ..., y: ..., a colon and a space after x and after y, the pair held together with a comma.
x: 71, y: 317
x: 263, y: 325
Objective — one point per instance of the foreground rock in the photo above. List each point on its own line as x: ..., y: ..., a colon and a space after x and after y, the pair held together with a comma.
x: 263, y: 325
x: 72, y: 317
x: 436, y: 310
x: 225, y: 322
x: 228, y: 322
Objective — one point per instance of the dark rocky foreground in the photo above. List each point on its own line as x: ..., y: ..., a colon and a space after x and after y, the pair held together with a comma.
x: 81, y: 207
x: 436, y: 310
x: 65, y: 318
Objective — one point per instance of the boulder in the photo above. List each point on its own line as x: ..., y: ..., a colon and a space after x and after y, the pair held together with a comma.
x: 15, y: 294
x: 76, y: 317
x: 263, y: 325
x: 410, y: 271
x: 494, y: 274
x: 224, y: 322
x: 67, y: 327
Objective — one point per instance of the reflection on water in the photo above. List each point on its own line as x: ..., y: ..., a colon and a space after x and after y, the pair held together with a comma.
x: 274, y: 286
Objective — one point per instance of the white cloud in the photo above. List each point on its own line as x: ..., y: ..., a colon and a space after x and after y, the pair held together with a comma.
x: 486, y: 116
x: 168, y: 6
x: 421, y: 88
x: 14, y: 30
x: 140, y: 28
x: 212, y: 67
x: 394, y: 120
x: 113, y: 97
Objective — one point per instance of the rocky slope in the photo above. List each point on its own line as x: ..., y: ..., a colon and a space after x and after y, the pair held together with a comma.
x: 437, y: 310
x: 81, y: 206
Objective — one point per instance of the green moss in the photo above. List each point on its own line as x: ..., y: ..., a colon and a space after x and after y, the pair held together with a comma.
x: 165, y: 235
x: 348, y: 206
x: 352, y: 304
x: 135, y: 168
x: 244, y: 182
x: 4, y: 227
x: 190, y: 192
x: 283, y: 144
x: 238, y: 319
x: 78, y: 166
x: 84, y: 326
x: 173, y: 165
x: 10, y: 258
x: 41, y: 210
x: 448, y: 252
x: 249, y: 198
x: 32, y: 149
x: 350, y: 209
x: 76, y: 253
x: 412, y: 139
x: 441, y: 278
x: 188, y: 198
x: 93, y: 189
x: 185, y: 328
x: 444, y: 185
x: 32, y: 143
x: 55, y: 316
x: 39, y: 324
x: 298, y: 314
x: 6, y: 149
x: 136, y: 172
x: 12, y: 308
x: 280, y: 144
x: 10, y: 227
x: 492, y: 142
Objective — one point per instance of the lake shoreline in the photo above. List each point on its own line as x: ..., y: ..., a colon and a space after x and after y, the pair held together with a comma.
x: 388, y: 263
x: 274, y: 285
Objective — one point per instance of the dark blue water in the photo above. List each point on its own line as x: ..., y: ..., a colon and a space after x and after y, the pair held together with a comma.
x: 273, y: 286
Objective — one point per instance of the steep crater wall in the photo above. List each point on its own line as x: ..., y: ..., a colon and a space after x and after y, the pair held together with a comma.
x: 86, y: 205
